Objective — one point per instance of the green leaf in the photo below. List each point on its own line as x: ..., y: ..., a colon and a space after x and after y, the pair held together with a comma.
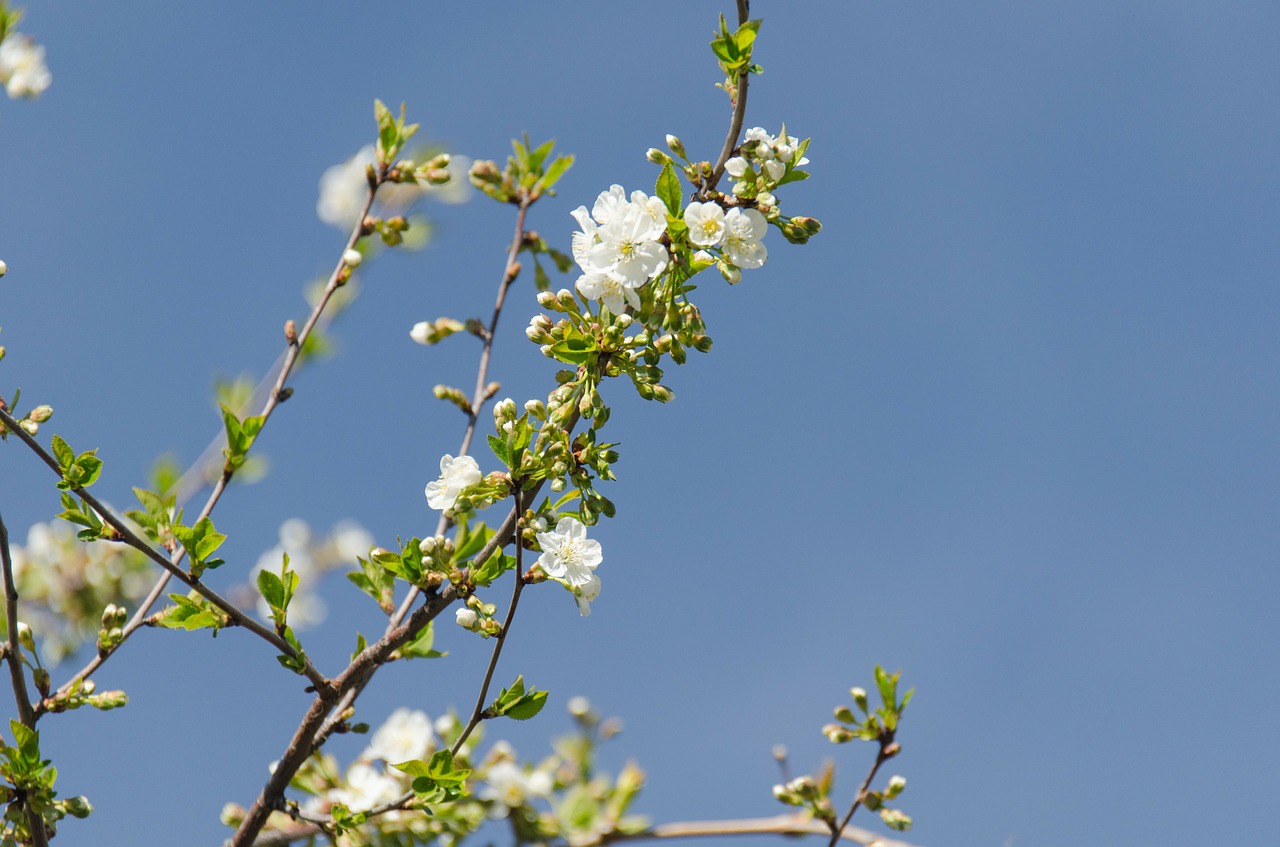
x: 272, y: 589
x: 361, y: 644
x: 499, y: 448
x: 668, y: 189
x: 419, y: 647
x: 528, y: 706
x: 557, y: 170
x: 62, y: 452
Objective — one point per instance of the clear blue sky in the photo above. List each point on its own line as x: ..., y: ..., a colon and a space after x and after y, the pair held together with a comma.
x: 1009, y: 424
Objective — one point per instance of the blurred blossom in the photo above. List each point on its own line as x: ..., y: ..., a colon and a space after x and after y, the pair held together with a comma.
x: 65, y: 584
x: 310, y: 557
x: 405, y: 735
x: 343, y: 189
x: 22, y: 68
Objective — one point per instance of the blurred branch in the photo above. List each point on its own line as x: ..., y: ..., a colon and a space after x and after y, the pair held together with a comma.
x: 793, y: 824
x: 286, y: 364
x: 126, y: 534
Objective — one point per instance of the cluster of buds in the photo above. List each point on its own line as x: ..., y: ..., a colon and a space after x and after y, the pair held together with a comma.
x: 477, y: 616
x: 505, y: 414
x: 30, y: 422
x: 433, y: 172
x: 111, y: 633
x: 763, y: 163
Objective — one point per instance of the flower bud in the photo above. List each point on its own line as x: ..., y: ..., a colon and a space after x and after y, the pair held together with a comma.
x: 845, y: 715
x: 109, y: 615
x: 736, y: 167
x: 30, y: 427
x: 565, y: 298
x: 24, y: 637
x: 657, y: 156
x: 675, y: 145
x: 2, y: 352
x: 837, y: 734
x: 730, y: 273
x: 466, y: 618
x: 896, y: 784
x: 896, y: 819
x: 547, y: 300
x: 536, y: 408
x: 427, y: 545
x: 40, y: 414
x: 663, y: 394
x: 353, y: 258
x: 4, y: 269
x: 859, y: 697
x: 557, y: 484
x: 78, y: 807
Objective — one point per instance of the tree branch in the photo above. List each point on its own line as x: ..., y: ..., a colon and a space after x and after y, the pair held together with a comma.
x: 739, y: 110
x: 237, y: 617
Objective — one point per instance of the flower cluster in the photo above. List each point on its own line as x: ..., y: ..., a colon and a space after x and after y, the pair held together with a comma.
x: 737, y: 234
x: 619, y: 248
x: 22, y: 67
x: 765, y: 163
x: 510, y: 785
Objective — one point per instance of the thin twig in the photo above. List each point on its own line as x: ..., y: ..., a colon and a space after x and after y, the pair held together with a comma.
x: 287, y: 362
x: 13, y: 653
x: 477, y: 714
x: 126, y: 534
x: 739, y: 111
x: 881, y: 758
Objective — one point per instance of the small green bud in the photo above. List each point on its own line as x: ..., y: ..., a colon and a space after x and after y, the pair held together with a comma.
x: 548, y: 300
x: 2, y: 352
x: 566, y: 300
x: 109, y: 615
x: 896, y: 819
x: 837, y: 734
x: 675, y: 145
x: 845, y: 715
x: 78, y: 807
x: 896, y: 784
x: 873, y: 800
x: 859, y: 697
x: 663, y: 394
x: 557, y: 484
x: 730, y: 273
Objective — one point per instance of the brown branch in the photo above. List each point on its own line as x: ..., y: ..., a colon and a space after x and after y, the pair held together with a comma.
x: 739, y: 111
x: 126, y: 534
x: 886, y: 744
x: 792, y: 824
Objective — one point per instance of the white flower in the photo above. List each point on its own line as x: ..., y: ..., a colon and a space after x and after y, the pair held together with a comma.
x: 615, y: 293
x: 628, y: 247
x: 609, y: 204
x: 568, y: 554
x: 512, y: 786
x: 344, y: 187
x: 706, y: 224
x: 4, y: 269
x: 736, y: 167
x: 366, y: 787
x: 466, y: 618
x: 774, y: 169
x: 22, y: 67
x: 743, y: 230
x: 405, y: 735
x: 455, y: 475
x: 584, y: 594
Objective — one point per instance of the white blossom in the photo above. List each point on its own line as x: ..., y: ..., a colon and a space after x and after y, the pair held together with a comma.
x: 366, y: 787
x: 344, y: 187
x: 744, y: 228
x: 627, y: 247
x: 568, y: 554
x: 466, y: 618
x: 22, y: 67
x: 736, y: 167
x: 455, y: 475
x: 618, y: 246
x: 615, y: 293
x: 405, y: 735
x: 706, y: 224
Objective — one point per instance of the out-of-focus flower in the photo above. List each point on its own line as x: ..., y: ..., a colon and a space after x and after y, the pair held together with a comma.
x: 344, y: 187
x: 22, y: 67
x: 405, y: 735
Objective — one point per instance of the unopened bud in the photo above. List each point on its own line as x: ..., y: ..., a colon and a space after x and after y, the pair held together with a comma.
x: 663, y: 394
x: 40, y: 414
x: 845, y: 715
x: 657, y: 156
x: 859, y: 697
x: 25, y: 638
x: 675, y: 145
x: 290, y: 332
x: 896, y: 784
x: 353, y: 257
x: 730, y: 273
x: 837, y: 734
x: 78, y: 807
x: 30, y: 427
x: 547, y: 300
x: 466, y: 618
x: 565, y: 298
x: 896, y: 819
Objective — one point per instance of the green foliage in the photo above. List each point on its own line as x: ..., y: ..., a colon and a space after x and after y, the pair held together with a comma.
x: 528, y: 174
x: 392, y: 133
x: 240, y: 438
x: 440, y: 780
x: 516, y: 703
x: 78, y: 471
x: 200, y: 542
x: 192, y: 612
x: 733, y: 48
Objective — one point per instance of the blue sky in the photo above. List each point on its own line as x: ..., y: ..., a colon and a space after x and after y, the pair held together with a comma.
x: 1008, y: 424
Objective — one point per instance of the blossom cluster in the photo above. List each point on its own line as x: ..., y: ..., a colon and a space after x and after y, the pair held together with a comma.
x: 22, y: 67
x: 619, y: 247
x: 765, y: 161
